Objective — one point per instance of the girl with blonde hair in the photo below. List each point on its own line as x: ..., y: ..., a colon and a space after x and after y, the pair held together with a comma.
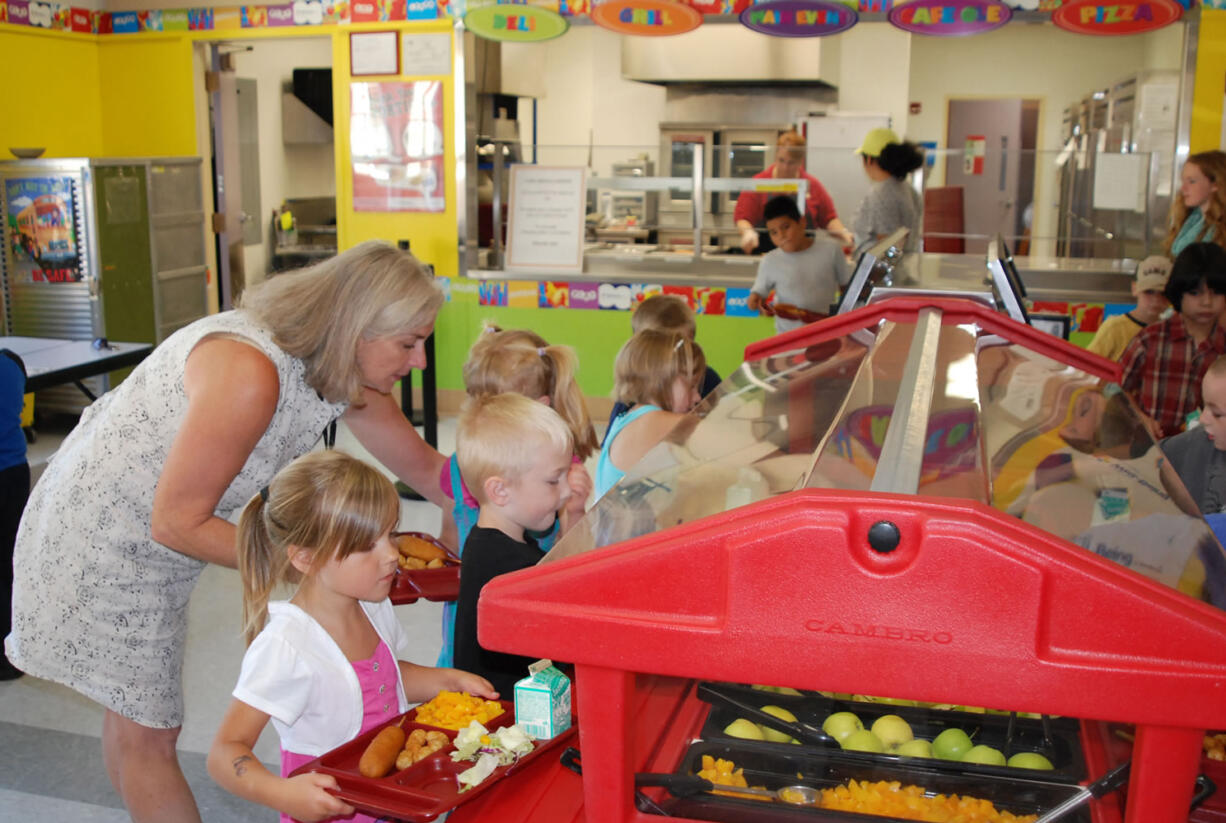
x: 1198, y: 214
x: 115, y: 536
x: 324, y: 665
x: 520, y: 361
x: 656, y: 375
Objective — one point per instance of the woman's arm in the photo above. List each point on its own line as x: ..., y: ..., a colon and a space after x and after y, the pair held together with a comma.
x: 232, y: 393
x: 234, y: 766
x: 382, y: 428
x: 423, y: 682
x: 836, y: 227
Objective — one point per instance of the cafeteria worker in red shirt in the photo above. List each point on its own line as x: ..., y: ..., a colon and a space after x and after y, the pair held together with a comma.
x: 789, y: 163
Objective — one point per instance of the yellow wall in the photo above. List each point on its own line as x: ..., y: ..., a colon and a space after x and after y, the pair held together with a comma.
x: 1210, y: 82
x: 50, y: 95
x: 433, y: 237
x: 148, y: 105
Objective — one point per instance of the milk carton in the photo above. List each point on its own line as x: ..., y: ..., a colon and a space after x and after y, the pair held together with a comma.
x: 542, y: 701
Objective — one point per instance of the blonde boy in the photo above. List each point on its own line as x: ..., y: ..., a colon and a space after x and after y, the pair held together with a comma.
x: 1198, y: 455
x: 514, y: 454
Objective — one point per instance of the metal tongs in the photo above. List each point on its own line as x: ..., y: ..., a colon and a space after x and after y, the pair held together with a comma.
x: 1104, y: 785
x: 689, y: 785
x: 804, y: 732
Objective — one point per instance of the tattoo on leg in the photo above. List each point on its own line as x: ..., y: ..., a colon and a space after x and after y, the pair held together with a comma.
x: 240, y: 765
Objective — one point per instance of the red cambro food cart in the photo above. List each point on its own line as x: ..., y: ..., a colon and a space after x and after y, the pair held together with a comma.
x: 920, y: 499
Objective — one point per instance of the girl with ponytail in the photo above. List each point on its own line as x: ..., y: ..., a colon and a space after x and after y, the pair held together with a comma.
x: 324, y: 665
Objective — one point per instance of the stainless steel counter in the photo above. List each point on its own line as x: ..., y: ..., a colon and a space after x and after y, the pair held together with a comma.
x: 1046, y: 279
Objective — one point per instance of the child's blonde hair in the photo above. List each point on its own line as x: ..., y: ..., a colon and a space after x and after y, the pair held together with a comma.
x: 326, y: 501
x: 501, y: 435
x: 650, y: 362
x: 521, y: 361
x: 664, y: 312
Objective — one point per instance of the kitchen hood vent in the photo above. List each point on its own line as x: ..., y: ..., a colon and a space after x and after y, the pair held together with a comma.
x: 314, y: 88
x: 306, y: 107
x: 731, y: 55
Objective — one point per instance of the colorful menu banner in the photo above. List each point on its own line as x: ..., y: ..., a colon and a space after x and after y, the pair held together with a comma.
x: 649, y: 18
x: 950, y: 18
x: 515, y: 23
x: 1106, y: 18
x: 799, y: 18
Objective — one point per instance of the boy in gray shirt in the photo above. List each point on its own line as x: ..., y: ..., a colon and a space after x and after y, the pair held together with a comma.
x: 805, y: 273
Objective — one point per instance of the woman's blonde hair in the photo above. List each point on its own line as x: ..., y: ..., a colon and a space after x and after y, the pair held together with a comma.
x: 1212, y: 164
x: 521, y: 361
x: 319, y: 314
x: 500, y: 435
x: 325, y: 501
x: 650, y: 362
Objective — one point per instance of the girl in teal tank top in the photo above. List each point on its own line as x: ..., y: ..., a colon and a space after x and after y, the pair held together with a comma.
x: 1198, y: 213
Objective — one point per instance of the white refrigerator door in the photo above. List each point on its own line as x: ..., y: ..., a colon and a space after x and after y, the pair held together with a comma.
x: 832, y: 141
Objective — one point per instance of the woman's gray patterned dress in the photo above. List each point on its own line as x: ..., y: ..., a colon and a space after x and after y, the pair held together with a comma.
x: 98, y: 605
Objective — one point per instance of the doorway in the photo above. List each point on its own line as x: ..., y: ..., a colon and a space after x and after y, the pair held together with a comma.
x: 272, y: 151
x: 997, y: 139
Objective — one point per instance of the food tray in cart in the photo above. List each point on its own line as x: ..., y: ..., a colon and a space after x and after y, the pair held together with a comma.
x: 440, y: 585
x: 429, y: 787
x: 827, y: 770
x: 1057, y: 739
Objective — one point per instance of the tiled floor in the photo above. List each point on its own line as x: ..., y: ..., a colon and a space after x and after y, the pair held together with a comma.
x: 50, y: 750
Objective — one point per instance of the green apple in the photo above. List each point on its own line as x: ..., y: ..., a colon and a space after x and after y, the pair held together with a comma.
x: 863, y: 741
x: 895, y: 701
x: 985, y: 755
x: 759, y: 687
x: 743, y: 728
x: 914, y: 748
x: 893, y: 730
x: 788, y: 690
x: 951, y: 744
x: 841, y: 724
x: 770, y: 734
x: 1029, y: 760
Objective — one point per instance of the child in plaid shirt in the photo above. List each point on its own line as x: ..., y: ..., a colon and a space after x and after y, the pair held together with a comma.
x: 1165, y: 363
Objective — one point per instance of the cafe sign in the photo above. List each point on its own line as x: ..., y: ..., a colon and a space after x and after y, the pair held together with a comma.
x: 653, y: 18
x: 515, y: 23
x: 799, y: 18
x: 950, y: 18
x: 1107, y: 18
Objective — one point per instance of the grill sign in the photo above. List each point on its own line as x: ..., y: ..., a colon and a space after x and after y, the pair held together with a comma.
x: 1097, y: 17
x: 950, y: 18
x: 799, y: 18
x: 653, y: 18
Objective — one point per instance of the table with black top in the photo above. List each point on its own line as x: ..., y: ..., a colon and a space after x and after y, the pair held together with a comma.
x: 52, y: 362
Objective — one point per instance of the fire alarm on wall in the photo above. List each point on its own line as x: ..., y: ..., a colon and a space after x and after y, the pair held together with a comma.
x: 916, y: 108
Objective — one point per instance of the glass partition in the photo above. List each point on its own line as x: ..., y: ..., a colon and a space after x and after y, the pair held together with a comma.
x: 1006, y: 426
x: 1104, y: 205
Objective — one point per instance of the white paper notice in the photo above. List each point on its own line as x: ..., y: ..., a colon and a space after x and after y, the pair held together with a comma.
x: 545, y: 230
x: 425, y: 54
x: 1119, y: 181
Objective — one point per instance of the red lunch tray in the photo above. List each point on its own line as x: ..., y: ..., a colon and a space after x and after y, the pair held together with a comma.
x: 440, y: 585
x: 426, y: 789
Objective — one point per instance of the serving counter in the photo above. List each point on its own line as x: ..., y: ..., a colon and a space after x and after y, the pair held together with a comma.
x: 921, y: 499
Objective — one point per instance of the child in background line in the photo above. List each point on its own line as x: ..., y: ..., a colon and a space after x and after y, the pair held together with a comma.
x: 804, y: 272
x: 656, y: 375
x: 666, y: 313
x: 1198, y: 214
x: 1164, y: 364
x: 1114, y: 335
x: 515, y: 456
x: 14, y: 486
x: 323, y: 665
x: 520, y: 361
x: 1199, y: 455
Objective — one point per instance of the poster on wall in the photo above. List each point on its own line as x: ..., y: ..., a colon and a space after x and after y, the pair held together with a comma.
x: 42, y: 229
x: 396, y: 145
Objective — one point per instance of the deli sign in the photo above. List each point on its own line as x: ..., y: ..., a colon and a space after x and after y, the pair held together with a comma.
x: 1103, y: 17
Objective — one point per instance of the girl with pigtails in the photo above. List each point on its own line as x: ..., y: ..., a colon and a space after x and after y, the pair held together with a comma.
x: 520, y: 361
x: 323, y: 666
